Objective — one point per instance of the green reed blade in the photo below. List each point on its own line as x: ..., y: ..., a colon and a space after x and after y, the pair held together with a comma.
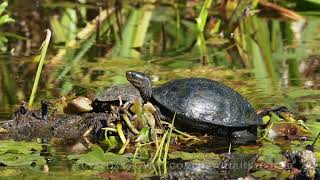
x: 166, y: 149
x: 202, y: 19
x: 44, y: 48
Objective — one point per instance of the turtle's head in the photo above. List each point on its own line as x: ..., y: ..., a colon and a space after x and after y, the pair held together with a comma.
x: 142, y: 82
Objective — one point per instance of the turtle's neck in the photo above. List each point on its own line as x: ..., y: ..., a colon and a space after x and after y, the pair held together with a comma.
x: 146, y: 93
x: 142, y: 82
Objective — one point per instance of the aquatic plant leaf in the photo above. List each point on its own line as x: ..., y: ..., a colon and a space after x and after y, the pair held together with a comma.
x: 193, y: 156
x: 4, y: 18
x: 69, y: 22
x: 136, y: 107
x: 149, y: 107
x: 275, y: 117
x: 317, y: 153
x: 14, y: 153
x: 94, y: 157
x: 314, y: 126
x: 11, y: 159
x: 287, y: 116
x: 298, y: 145
x: 112, y: 143
x: 10, y: 146
x: 265, y: 120
x: 260, y: 67
x: 3, y: 6
x: 57, y: 29
x: 316, y: 110
x: 112, y: 158
x: 3, y: 41
x: 202, y: 19
x: 97, y: 157
x: 78, y: 56
x: 264, y: 174
x: 134, y: 32
x: 9, y: 172
x: 314, y: 1
x: 271, y: 153
x: 150, y: 119
x: 142, y: 152
x: 296, y: 92
x: 144, y: 135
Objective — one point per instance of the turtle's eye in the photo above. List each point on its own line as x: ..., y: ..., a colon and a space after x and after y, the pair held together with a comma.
x: 135, y: 75
x: 129, y: 73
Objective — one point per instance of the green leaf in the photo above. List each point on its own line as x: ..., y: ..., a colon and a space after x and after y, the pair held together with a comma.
x: 314, y: 126
x: 10, y: 146
x: 112, y: 143
x: 134, y: 32
x: 93, y: 157
x: 11, y: 159
x: 149, y: 118
x: 202, y: 19
x: 112, y: 158
x: 97, y: 157
x: 314, y: 1
x: 144, y: 135
x: 264, y: 174
x: 5, y: 19
x: 3, y: 41
x: 14, y: 153
x: 271, y: 153
x: 136, y: 107
x: 3, y: 6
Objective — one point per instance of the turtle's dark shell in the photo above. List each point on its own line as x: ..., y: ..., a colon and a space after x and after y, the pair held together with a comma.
x: 126, y: 91
x: 205, y: 103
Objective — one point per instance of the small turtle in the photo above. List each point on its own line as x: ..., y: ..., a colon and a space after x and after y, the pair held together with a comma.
x: 115, y: 95
x: 201, y: 105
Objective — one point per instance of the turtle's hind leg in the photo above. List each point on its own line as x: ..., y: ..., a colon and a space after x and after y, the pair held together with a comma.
x: 244, y: 136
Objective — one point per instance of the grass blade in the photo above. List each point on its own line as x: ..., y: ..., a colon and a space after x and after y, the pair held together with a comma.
x: 44, y: 48
x: 202, y: 19
x: 166, y: 149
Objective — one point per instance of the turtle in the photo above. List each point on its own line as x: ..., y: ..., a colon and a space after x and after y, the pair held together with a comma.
x: 122, y: 93
x: 114, y: 94
x: 201, y: 105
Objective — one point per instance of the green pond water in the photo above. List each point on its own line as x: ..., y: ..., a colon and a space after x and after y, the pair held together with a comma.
x: 273, y: 76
